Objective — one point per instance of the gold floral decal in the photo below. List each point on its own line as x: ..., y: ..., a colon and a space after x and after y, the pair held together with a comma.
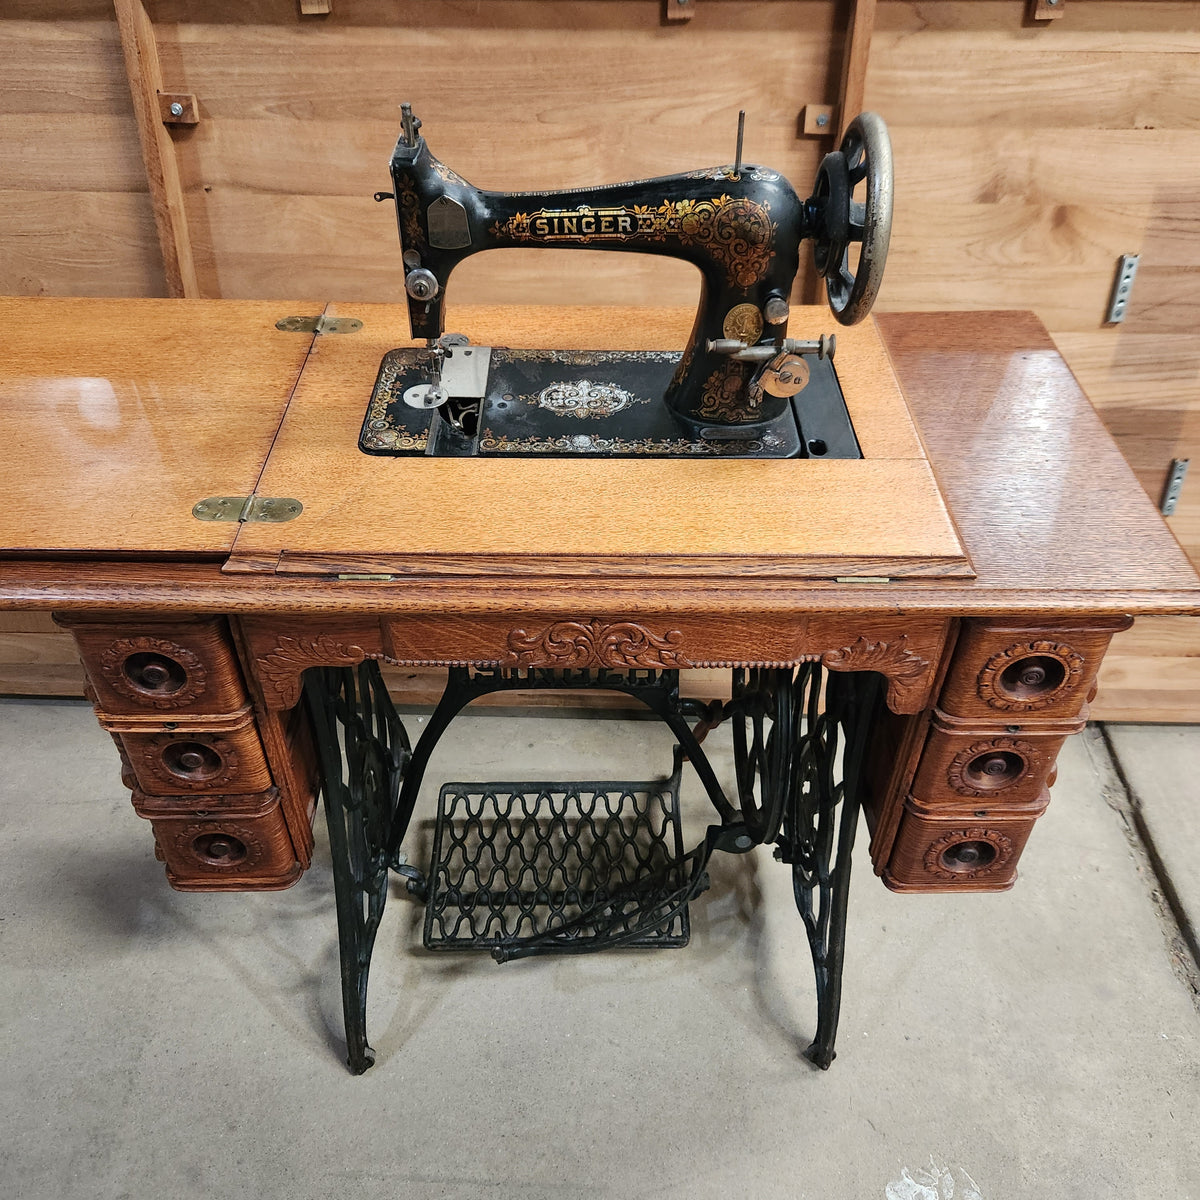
x: 723, y: 397
x: 735, y: 231
x: 379, y: 431
x: 410, y: 212
x: 590, y: 443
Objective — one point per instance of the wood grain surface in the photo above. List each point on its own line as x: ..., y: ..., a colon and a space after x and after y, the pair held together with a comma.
x: 123, y: 414
x: 1038, y: 488
x: 878, y: 515
x: 140, y: 46
x: 1049, y: 512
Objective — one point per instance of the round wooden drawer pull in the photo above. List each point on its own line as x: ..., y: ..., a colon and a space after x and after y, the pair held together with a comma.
x: 154, y: 673
x: 1029, y: 678
x: 994, y: 770
x: 968, y: 856
x: 219, y: 849
x: 192, y: 761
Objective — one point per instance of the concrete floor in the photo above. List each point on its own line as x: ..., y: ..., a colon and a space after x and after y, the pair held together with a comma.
x: 1043, y: 1043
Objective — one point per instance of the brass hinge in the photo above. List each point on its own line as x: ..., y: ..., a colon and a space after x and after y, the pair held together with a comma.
x: 248, y: 509
x: 318, y: 324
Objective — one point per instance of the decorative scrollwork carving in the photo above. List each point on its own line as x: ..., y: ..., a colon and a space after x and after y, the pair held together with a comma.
x: 217, y: 761
x: 904, y: 669
x: 153, y: 671
x: 999, y: 842
x: 595, y: 644
x: 228, y: 846
x: 998, y: 690
x: 957, y: 773
x: 279, y: 670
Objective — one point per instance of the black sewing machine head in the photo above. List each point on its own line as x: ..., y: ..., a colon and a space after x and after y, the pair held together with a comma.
x: 732, y: 390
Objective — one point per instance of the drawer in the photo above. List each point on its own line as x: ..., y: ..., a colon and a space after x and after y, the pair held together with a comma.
x: 191, y: 763
x: 943, y: 852
x: 178, y: 667
x: 204, y: 804
x: 1010, y: 672
x: 227, y: 852
x: 965, y: 762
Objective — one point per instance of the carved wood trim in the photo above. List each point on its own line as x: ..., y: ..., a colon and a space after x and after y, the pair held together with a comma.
x: 956, y: 773
x: 993, y: 837
x: 906, y: 671
x: 279, y: 670
x: 993, y: 693
x: 112, y: 668
x: 595, y: 643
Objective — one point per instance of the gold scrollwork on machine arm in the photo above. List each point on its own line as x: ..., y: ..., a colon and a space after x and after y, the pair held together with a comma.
x: 736, y: 232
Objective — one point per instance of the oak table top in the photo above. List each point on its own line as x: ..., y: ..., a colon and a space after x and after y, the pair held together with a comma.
x: 1001, y: 493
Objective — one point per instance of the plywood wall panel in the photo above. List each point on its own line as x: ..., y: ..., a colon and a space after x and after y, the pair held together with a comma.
x: 1094, y: 19
x: 78, y: 244
x: 1151, y: 673
x: 75, y: 218
x: 558, y: 94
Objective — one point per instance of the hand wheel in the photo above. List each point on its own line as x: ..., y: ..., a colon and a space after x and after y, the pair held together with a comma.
x: 865, y: 154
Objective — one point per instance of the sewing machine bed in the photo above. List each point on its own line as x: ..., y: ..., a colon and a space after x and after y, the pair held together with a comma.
x: 602, y: 403
x: 877, y: 516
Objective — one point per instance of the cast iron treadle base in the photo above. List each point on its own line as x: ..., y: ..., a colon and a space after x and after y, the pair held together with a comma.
x: 556, y: 868
x: 574, y: 871
x: 363, y: 752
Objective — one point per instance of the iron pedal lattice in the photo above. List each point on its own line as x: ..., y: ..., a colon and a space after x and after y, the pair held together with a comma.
x: 525, y: 869
x: 557, y: 867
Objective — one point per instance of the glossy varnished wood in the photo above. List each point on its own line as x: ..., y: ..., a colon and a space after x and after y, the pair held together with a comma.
x: 116, y: 416
x: 1042, y: 496
x: 1063, y: 528
x: 488, y: 517
x: 1020, y: 455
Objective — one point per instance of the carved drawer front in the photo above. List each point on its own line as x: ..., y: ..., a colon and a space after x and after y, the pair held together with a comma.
x: 177, y: 668
x: 249, y: 851
x: 936, y: 852
x: 192, y: 763
x: 969, y: 768
x: 1014, y: 675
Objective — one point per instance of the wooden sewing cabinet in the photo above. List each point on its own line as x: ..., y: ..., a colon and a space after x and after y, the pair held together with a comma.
x: 980, y: 557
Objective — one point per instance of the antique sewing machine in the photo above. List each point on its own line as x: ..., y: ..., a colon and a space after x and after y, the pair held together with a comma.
x: 740, y: 388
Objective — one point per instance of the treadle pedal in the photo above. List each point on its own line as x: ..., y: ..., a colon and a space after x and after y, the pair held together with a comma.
x: 557, y: 867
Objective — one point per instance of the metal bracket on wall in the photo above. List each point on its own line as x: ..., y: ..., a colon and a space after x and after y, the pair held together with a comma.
x: 1127, y: 266
x: 318, y: 324
x: 178, y: 108
x: 248, y: 509
x: 1175, y: 478
x: 679, y: 10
